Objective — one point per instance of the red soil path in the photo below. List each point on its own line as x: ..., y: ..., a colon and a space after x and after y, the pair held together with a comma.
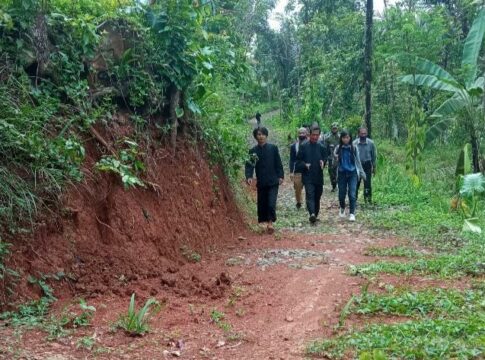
x: 113, y: 243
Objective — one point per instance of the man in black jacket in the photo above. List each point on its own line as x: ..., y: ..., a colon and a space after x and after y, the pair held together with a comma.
x: 265, y: 159
x: 295, y: 167
x: 313, y: 154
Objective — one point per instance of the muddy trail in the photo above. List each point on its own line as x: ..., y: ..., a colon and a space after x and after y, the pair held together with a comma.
x: 259, y: 297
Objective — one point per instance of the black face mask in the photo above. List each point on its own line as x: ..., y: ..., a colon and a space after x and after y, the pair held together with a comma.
x: 302, y: 138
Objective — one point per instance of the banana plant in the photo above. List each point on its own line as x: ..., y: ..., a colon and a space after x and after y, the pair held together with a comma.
x: 472, y: 189
x: 465, y: 105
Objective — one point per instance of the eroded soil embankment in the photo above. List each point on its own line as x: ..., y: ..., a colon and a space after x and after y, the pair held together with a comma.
x: 103, y: 236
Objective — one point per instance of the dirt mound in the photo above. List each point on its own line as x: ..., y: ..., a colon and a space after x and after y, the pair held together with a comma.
x: 105, y: 236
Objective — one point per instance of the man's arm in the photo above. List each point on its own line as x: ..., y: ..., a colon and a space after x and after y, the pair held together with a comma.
x: 249, y: 168
x: 374, y: 157
x: 301, y: 157
x: 279, y: 165
x: 292, y: 158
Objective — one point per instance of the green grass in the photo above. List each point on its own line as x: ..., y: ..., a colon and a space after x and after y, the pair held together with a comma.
x: 468, y: 260
x: 447, y: 303
x: 399, y: 251
x: 417, y: 211
x: 427, y: 339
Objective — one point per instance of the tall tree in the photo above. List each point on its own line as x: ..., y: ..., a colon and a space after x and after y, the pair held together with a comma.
x: 368, y: 65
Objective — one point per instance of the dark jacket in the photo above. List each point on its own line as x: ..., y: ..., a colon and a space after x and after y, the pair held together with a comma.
x: 312, y: 154
x: 266, y: 161
x: 295, y: 166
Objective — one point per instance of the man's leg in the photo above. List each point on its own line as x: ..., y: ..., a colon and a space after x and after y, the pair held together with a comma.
x: 298, y: 185
x: 310, y: 198
x: 332, y: 173
x: 368, y: 182
x: 342, y: 189
x: 318, y: 196
x: 262, y: 204
x: 272, y: 196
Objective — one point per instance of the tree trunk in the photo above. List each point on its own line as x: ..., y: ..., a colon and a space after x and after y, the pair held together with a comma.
x: 368, y: 66
x: 475, y: 151
x: 174, y: 103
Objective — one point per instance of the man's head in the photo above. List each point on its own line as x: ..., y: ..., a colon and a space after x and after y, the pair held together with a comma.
x: 335, y: 128
x: 261, y: 135
x: 363, y: 133
x: 314, y: 134
x: 302, y: 133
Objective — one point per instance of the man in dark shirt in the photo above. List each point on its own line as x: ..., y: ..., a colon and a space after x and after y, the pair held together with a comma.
x: 295, y: 167
x: 258, y: 119
x: 313, y: 154
x: 265, y: 159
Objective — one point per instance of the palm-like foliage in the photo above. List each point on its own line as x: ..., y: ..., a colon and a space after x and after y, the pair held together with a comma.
x: 135, y: 323
x: 472, y: 188
x: 465, y: 105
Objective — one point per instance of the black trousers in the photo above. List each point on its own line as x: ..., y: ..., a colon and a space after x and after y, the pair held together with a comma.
x: 267, y: 196
x: 367, y: 182
x: 313, y: 193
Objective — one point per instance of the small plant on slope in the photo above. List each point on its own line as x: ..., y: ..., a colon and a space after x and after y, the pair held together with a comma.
x: 135, y: 323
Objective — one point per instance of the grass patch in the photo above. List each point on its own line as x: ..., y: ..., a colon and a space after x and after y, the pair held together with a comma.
x: 34, y: 315
x: 428, y: 339
x: 420, y: 211
x: 435, y: 302
x: 399, y: 251
x: 468, y: 260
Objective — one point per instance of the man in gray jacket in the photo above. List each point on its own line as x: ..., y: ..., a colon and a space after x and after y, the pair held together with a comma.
x: 368, y: 158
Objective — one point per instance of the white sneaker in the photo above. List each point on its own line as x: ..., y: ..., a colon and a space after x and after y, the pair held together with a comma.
x: 352, y: 217
x: 341, y: 213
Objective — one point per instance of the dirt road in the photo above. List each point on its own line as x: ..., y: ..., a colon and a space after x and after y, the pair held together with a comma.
x: 261, y: 297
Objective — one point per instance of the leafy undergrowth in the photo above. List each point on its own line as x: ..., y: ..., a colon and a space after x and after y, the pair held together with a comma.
x: 443, y: 323
x: 416, y: 209
x: 428, y: 339
x: 446, y: 303
x: 399, y: 251
x: 447, y: 324
x: 468, y: 260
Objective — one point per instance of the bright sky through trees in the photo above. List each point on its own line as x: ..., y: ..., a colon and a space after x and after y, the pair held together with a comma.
x: 280, y: 8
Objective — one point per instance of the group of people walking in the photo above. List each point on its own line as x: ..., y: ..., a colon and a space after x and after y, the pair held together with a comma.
x: 349, y: 163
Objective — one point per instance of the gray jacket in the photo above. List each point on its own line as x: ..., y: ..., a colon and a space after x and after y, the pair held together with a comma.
x: 358, y: 164
x: 367, y: 151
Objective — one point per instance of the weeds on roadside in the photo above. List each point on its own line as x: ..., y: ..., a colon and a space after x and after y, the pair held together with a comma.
x: 34, y: 315
x: 447, y: 303
x: 398, y: 251
x: 217, y: 317
x: 190, y: 255
x: 86, y: 342
x: 427, y: 339
x: 135, y: 323
x: 467, y: 261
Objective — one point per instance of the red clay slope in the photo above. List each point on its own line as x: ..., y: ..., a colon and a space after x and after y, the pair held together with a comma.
x: 108, y: 236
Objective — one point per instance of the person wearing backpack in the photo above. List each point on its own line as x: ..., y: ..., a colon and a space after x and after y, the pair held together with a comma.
x: 349, y: 172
